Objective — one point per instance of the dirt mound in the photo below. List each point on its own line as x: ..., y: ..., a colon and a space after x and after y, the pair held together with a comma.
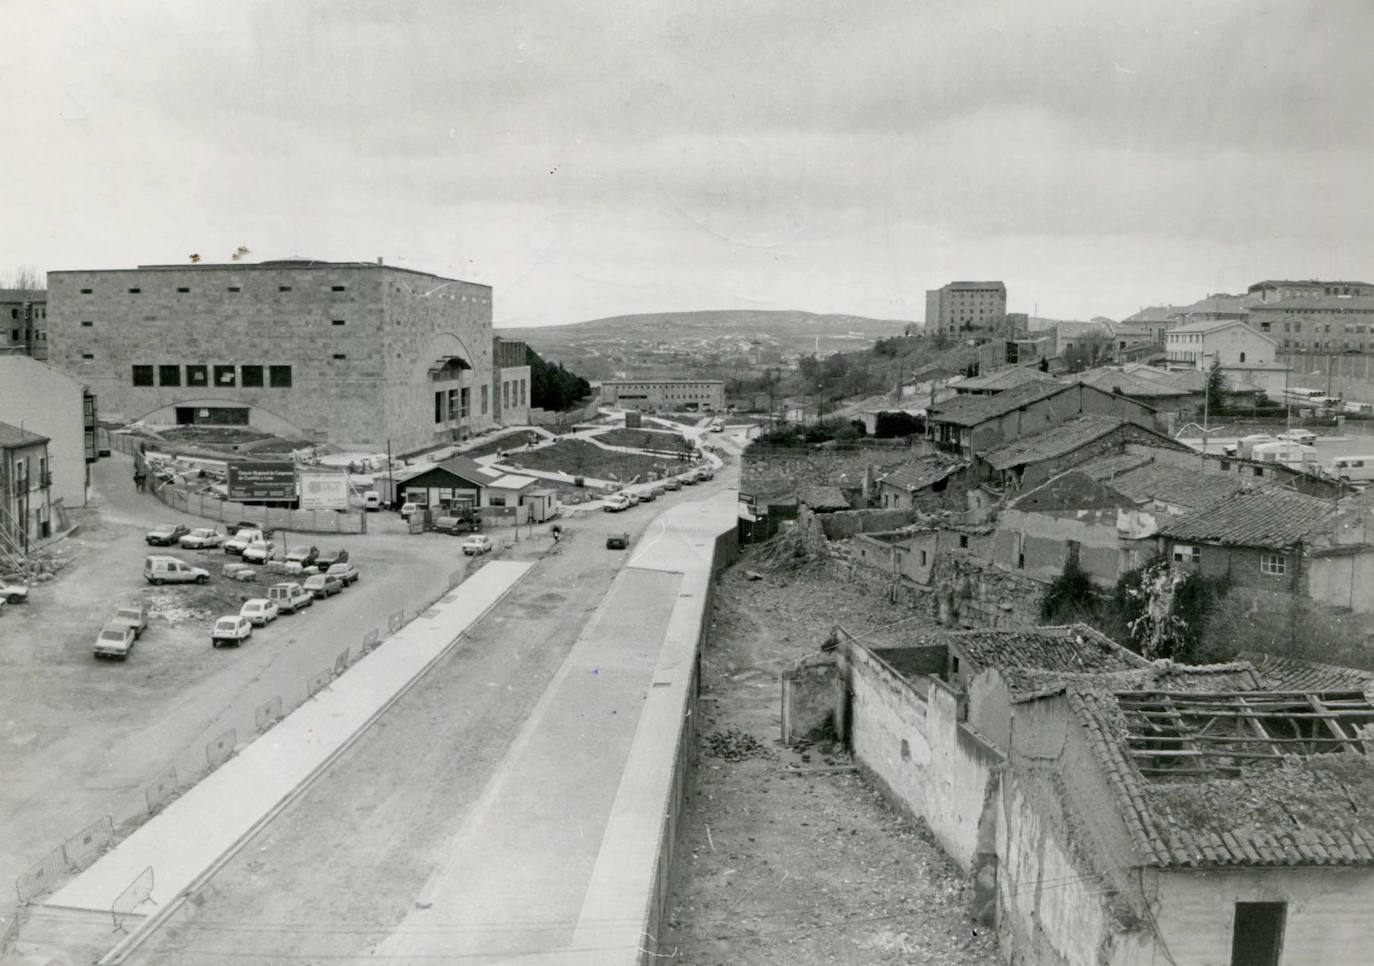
x: 796, y: 548
x: 735, y: 745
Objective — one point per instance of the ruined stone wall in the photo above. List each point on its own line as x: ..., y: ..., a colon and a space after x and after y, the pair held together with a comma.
x: 848, y: 523
x: 778, y: 471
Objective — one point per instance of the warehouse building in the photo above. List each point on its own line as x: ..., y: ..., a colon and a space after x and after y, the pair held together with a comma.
x: 358, y: 354
x: 685, y: 394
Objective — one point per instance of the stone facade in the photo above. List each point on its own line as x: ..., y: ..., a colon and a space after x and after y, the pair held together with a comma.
x: 689, y: 394
x: 352, y: 353
x: 966, y: 306
x: 52, y: 404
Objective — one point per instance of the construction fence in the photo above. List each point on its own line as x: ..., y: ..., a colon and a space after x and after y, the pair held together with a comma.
x: 82, y: 849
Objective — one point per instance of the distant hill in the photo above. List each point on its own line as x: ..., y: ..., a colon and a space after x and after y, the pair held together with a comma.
x: 659, y: 343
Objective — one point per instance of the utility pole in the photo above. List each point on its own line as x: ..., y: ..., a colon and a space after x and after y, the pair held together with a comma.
x: 390, y: 477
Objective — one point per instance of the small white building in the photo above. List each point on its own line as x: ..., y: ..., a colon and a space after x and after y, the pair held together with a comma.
x: 1229, y: 342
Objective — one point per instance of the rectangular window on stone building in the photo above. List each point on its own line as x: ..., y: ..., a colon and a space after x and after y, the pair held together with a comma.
x: 336, y: 288
x: 226, y: 375
x: 183, y: 290
x: 439, y: 406
x: 337, y: 322
x: 524, y: 397
x: 250, y: 376
x: 169, y: 375
x: 197, y: 375
x: 283, y: 288
x: 453, y: 409
x: 486, y: 392
x: 135, y: 291
x: 340, y: 355
x: 279, y: 376
x: 464, y: 401
x: 143, y: 375
x: 1273, y: 564
x: 86, y: 324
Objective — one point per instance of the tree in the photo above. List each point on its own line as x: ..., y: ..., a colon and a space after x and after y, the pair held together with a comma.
x: 1216, y: 386
x: 25, y: 278
x: 552, y: 387
x: 1071, y: 597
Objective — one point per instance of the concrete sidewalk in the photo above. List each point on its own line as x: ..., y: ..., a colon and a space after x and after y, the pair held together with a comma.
x: 556, y: 861
x: 196, y: 830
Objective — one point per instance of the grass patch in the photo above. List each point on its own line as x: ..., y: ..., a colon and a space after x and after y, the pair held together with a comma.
x: 663, y: 439
x: 504, y: 441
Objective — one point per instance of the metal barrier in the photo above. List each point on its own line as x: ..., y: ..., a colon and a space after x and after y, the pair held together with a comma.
x: 135, y: 894
x: 341, y: 662
x: 163, y: 787
x: 396, y: 621
x: 370, y: 640
x: 85, y: 845
x: 318, y: 682
x: 41, y: 877
x: 221, y: 748
x: 268, y: 714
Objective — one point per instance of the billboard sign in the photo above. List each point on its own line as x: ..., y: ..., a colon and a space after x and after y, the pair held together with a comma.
x: 323, y: 491
x: 262, y: 482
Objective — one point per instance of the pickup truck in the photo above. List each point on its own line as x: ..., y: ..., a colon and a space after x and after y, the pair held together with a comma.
x: 241, y: 540
x: 134, y: 616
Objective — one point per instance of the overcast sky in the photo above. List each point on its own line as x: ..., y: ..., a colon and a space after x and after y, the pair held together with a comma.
x: 593, y: 159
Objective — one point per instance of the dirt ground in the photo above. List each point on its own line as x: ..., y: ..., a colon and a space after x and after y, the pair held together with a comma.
x: 581, y: 458
x: 81, y: 738
x: 799, y: 861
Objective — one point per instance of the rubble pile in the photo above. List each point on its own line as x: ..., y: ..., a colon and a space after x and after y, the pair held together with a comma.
x: 734, y: 744
x: 796, y: 548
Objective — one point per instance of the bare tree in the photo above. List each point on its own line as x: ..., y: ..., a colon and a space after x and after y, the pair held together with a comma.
x: 26, y: 278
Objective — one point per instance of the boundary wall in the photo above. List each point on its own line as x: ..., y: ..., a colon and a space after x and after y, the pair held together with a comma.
x: 627, y: 895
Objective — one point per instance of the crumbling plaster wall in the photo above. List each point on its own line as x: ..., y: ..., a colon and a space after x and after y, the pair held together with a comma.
x: 1328, y: 919
x: 919, y: 751
x: 1042, y: 541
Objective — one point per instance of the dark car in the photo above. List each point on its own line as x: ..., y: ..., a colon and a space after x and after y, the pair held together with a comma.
x: 305, y: 556
x: 618, y: 541
x: 165, y: 536
x: 329, y: 558
x: 250, y: 525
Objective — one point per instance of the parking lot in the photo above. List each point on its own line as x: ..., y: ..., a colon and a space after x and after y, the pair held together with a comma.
x: 83, y: 737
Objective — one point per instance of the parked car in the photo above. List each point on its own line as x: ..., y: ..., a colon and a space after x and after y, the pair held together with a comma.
x: 304, y: 556
x: 632, y: 497
x: 649, y: 495
x: 329, y: 558
x: 617, y: 502
x: 688, y: 479
x: 115, y: 640
x: 290, y: 568
x: 479, y: 544
x: 240, y: 571
x: 372, y: 500
x: 407, y: 509
x: 259, y: 611
x: 321, y: 586
x: 165, y: 536
x: 169, y: 570
x: 618, y: 541
x: 705, y: 473
x: 1304, y: 436
x: 672, y: 483
x: 202, y: 538
x: 234, y: 629
x: 289, y: 597
x: 242, y: 538
x: 346, y: 572
x: 13, y: 593
x: 259, y: 551
x: 133, y: 616
x: 267, y: 532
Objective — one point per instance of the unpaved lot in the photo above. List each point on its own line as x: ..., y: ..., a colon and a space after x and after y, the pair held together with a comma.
x: 82, y: 737
x: 783, y: 860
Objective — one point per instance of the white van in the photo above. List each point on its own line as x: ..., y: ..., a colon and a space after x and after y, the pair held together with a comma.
x: 1353, y: 468
x: 372, y: 500
x: 170, y: 570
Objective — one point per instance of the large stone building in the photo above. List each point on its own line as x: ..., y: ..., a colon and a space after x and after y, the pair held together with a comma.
x: 688, y: 394
x: 965, y: 307
x: 358, y: 354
